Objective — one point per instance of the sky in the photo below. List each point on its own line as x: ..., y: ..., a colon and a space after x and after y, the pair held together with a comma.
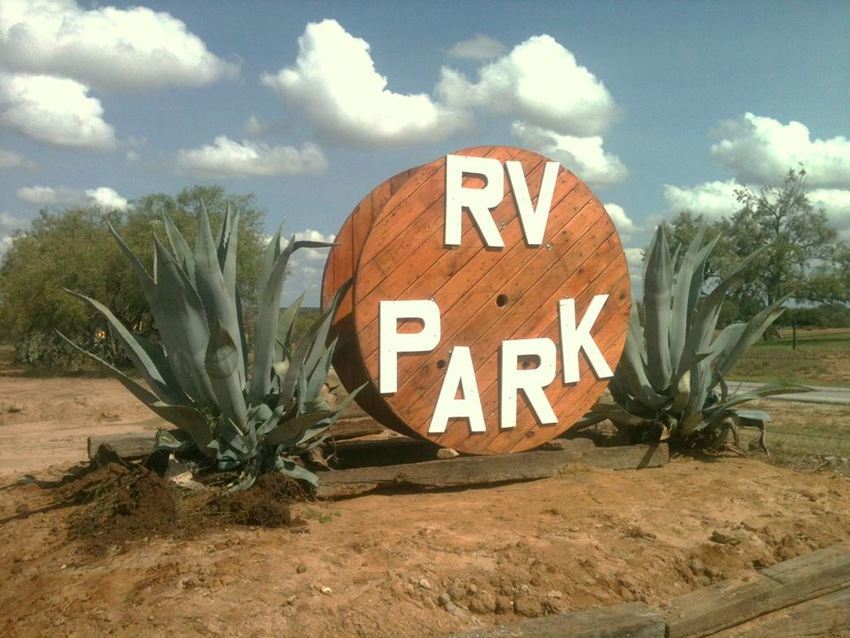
x: 657, y: 106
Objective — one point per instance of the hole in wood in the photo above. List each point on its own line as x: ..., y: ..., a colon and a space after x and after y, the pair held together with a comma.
x: 502, y: 300
x: 441, y: 364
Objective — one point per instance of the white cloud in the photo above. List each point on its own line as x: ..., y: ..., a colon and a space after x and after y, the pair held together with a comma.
x: 5, y: 245
x: 228, y: 158
x: 717, y: 199
x: 107, y: 47
x: 582, y: 155
x: 10, y: 221
x: 540, y: 82
x: 335, y: 84
x: 10, y: 159
x: 55, y: 111
x: 254, y: 126
x: 305, y: 269
x: 836, y: 204
x: 106, y: 198
x: 762, y: 149
x: 103, y: 197
x: 634, y: 259
x: 479, y: 47
x: 624, y: 224
x: 712, y: 199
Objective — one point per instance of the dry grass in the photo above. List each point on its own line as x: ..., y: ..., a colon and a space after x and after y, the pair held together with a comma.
x: 822, y: 357
x: 806, y: 435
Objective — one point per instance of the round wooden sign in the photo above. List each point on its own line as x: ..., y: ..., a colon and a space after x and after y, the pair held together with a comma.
x: 341, y: 266
x: 491, y: 300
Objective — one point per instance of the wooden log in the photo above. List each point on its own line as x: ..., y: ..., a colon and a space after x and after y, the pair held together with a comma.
x: 128, y: 445
x: 732, y: 603
x: 629, y: 620
x: 825, y: 616
x: 131, y: 445
x: 488, y: 295
x: 468, y: 471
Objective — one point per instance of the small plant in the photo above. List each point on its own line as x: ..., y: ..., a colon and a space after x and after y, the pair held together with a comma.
x: 671, y: 377
x: 198, y: 378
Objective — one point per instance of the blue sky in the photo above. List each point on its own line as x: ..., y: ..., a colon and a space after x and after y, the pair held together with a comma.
x: 658, y: 106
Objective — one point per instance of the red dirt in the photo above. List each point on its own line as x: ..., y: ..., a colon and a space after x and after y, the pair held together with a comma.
x: 422, y: 564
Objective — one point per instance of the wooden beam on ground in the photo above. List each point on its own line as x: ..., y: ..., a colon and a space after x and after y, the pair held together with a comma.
x: 467, y: 471
x: 635, y: 620
x: 729, y: 604
x: 825, y: 616
x: 131, y: 445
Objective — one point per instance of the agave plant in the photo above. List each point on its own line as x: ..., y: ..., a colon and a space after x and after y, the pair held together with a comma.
x: 671, y: 377
x: 198, y: 378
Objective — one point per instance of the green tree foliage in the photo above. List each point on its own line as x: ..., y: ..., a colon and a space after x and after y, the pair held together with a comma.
x: 800, y: 254
x: 73, y: 249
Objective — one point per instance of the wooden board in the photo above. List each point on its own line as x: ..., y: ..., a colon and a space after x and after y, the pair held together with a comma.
x: 341, y: 266
x: 131, y: 445
x: 825, y: 616
x: 728, y: 604
x: 467, y: 471
x: 629, y: 620
x: 488, y: 295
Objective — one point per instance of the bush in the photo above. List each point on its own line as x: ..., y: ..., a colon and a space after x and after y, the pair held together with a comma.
x: 73, y: 249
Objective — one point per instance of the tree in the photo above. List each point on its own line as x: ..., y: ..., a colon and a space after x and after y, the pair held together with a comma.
x: 799, y: 253
x: 74, y: 249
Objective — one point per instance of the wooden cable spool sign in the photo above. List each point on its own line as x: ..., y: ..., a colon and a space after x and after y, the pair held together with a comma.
x: 490, y: 301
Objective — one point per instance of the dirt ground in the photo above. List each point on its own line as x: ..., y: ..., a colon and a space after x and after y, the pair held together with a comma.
x: 403, y: 564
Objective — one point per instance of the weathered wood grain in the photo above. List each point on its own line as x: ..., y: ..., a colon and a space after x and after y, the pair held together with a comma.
x: 131, y: 445
x: 728, y: 604
x: 341, y: 266
x: 629, y: 620
x: 825, y: 616
x: 467, y: 471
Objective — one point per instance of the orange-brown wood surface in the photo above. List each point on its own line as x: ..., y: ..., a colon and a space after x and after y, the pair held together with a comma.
x: 339, y: 268
x: 488, y: 295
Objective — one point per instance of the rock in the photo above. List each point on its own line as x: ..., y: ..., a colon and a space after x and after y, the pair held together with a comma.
x: 456, y: 590
x: 554, y: 444
x: 526, y: 605
x: 554, y: 594
x: 301, y: 568
x: 327, y: 591
x: 444, y: 599
x: 504, y: 605
x: 723, y: 538
x: 424, y: 584
x: 447, y: 453
x: 15, y: 408
x: 482, y: 602
x: 451, y: 607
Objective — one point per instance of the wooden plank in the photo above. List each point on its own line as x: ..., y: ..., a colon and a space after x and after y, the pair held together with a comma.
x: 487, y: 470
x: 629, y: 620
x: 128, y: 445
x: 825, y: 616
x: 732, y: 603
x: 131, y: 445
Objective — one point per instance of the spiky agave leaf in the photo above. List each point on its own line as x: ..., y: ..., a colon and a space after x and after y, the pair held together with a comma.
x: 268, y: 311
x: 656, y: 298
x: 679, y: 329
